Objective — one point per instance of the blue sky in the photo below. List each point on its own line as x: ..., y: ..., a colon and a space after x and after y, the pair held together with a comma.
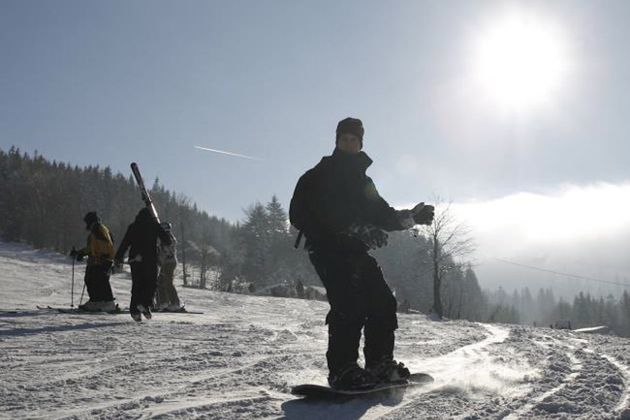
x: 110, y: 82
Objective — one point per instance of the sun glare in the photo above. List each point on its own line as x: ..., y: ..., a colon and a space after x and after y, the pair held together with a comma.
x: 520, y: 61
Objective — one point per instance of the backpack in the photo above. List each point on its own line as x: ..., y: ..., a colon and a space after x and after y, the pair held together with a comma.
x: 299, y: 209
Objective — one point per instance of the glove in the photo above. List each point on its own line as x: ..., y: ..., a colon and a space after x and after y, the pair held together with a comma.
x: 379, y: 239
x: 77, y: 255
x: 405, y: 218
x: 369, y: 235
x: 423, y: 214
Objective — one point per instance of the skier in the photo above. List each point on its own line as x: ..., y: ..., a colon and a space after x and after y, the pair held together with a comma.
x: 166, y: 298
x: 141, y: 237
x: 338, y: 209
x: 100, y: 253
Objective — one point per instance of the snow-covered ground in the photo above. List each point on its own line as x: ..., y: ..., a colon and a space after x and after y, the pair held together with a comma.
x: 241, y: 357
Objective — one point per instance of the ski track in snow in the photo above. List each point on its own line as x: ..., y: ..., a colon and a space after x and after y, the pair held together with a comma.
x: 624, y: 401
x: 242, y: 356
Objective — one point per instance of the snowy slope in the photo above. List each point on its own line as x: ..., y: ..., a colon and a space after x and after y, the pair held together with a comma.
x: 241, y: 357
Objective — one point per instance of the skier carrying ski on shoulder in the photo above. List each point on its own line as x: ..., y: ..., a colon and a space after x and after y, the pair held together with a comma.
x: 100, y: 253
x: 337, y: 208
x: 141, y: 240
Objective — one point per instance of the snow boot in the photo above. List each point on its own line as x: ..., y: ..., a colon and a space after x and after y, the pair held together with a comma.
x: 389, y: 370
x: 136, y: 316
x: 91, y: 306
x: 146, y: 311
x: 352, y: 378
x: 107, y: 306
x: 84, y: 306
x: 98, y: 306
x: 173, y: 307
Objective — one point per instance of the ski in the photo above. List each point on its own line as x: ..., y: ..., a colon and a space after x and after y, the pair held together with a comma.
x: 81, y: 311
x: 179, y: 311
x: 118, y: 311
x: 143, y: 191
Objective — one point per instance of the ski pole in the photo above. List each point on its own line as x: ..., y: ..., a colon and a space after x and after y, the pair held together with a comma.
x: 81, y: 300
x: 72, y: 289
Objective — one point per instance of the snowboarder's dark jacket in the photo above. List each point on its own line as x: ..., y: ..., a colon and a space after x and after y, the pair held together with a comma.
x: 141, y: 237
x: 334, y: 198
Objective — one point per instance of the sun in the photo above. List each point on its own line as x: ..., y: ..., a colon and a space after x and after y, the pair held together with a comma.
x: 520, y: 61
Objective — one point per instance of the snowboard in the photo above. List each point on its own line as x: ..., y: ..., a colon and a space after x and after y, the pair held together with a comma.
x: 322, y: 392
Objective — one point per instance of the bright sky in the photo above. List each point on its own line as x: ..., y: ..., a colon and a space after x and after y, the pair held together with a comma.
x: 474, y: 101
x: 582, y: 231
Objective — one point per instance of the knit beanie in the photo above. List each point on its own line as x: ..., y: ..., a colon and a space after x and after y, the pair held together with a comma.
x: 351, y: 126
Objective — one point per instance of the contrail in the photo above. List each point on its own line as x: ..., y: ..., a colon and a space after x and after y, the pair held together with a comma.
x: 226, y: 153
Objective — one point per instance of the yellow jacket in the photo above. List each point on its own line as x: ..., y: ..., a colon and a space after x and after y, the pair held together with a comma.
x: 100, y: 246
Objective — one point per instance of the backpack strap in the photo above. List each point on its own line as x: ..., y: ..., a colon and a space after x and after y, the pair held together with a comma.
x: 297, y: 241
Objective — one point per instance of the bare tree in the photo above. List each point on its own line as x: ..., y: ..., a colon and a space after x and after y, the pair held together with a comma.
x: 209, y: 259
x: 451, y: 241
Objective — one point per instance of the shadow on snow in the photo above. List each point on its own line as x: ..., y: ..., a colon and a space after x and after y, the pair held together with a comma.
x: 32, y: 331
x: 342, y: 407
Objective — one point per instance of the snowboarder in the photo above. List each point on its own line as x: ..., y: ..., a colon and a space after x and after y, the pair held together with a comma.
x: 337, y: 208
x: 100, y: 253
x: 141, y: 237
x: 166, y: 298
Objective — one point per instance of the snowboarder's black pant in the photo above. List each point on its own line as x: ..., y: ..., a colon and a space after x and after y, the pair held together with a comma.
x: 144, y: 282
x: 359, y: 299
x: 97, y: 282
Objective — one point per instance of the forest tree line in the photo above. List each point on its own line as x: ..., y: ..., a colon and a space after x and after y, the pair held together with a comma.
x: 43, y: 203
